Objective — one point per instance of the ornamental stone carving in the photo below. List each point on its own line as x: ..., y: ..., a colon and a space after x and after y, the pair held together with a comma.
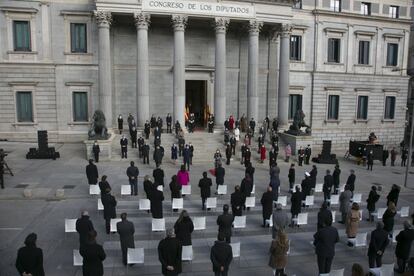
x: 142, y: 20
x: 179, y: 22
x: 103, y: 18
x: 221, y: 24
x: 255, y: 26
x: 274, y: 35
x: 286, y: 30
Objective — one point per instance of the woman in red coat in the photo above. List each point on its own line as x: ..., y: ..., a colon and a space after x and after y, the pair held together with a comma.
x: 231, y: 122
x: 262, y: 153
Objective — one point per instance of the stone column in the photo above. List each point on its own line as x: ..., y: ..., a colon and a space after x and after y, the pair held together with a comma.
x: 283, y: 98
x: 253, y: 69
x: 272, y: 83
x: 104, y: 19
x: 142, y: 21
x: 221, y: 25
x: 179, y: 23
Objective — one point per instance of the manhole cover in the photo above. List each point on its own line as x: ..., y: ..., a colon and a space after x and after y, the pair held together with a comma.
x: 21, y: 186
x: 67, y: 187
x: 396, y: 173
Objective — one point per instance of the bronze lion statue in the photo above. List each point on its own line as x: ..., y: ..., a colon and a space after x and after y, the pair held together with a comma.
x: 98, y: 129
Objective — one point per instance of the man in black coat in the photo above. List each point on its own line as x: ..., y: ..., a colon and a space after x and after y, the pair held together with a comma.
x: 205, y: 183
x: 134, y: 137
x: 246, y: 186
x: 327, y: 185
x: 306, y: 185
x: 92, y: 173
x: 378, y: 243
x: 147, y: 129
x: 324, y: 216
x: 336, y: 178
x: 109, y: 203
x: 324, y: 242
x: 141, y: 143
x: 156, y: 199
x: 30, y: 258
x: 252, y: 125
x: 291, y: 177
x: 145, y: 153
x: 296, y: 203
x: 83, y: 227
x: 96, y: 150
x: 267, y: 205
x: 250, y: 171
x: 124, y: 147
x: 313, y: 174
x: 169, y: 122
x: 221, y: 255
x: 132, y: 173
x: 350, y: 182
x: 308, y: 154
x: 158, y: 175
x: 220, y: 172
x: 93, y: 255
x: 237, y: 201
x: 169, y: 254
x: 158, y: 155
x: 225, y: 222
x: 126, y: 232
x: 403, y: 249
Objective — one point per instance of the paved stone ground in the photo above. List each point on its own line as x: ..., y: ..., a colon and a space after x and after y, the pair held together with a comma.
x: 45, y: 214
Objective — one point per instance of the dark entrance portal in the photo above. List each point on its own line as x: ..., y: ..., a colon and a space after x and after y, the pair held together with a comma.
x: 196, y: 100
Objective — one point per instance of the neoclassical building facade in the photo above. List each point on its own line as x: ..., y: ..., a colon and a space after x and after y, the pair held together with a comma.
x: 341, y: 61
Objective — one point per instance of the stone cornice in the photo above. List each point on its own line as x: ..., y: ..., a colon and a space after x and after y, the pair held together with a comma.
x: 76, y: 13
x: 23, y: 83
x: 78, y: 83
x: 19, y: 10
x: 362, y: 17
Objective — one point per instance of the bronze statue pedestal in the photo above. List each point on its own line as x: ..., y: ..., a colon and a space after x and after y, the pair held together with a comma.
x: 295, y: 141
x: 104, y: 145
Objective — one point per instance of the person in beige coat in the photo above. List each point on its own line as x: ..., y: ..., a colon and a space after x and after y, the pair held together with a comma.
x: 278, y: 253
x: 352, y: 221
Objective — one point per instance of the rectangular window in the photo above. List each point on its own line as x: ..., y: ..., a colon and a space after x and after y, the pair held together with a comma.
x: 24, y: 106
x: 336, y: 5
x: 333, y: 107
x: 334, y: 50
x: 21, y: 36
x: 389, y: 108
x: 363, y: 56
x: 365, y: 8
x: 295, y: 47
x: 78, y: 37
x: 392, y: 54
x: 297, y: 4
x: 295, y: 104
x: 80, y: 106
x: 394, y: 11
x: 362, y: 109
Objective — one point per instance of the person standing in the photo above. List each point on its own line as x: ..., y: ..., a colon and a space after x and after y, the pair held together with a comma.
x: 336, y: 178
x: 351, y: 181
x: 210, y: 123
x: 233, y: 143
x: 92, y: 173
x: 169, y: 123
x: 385, y: 154
x: 156, y: 199
x: 228, y: 154
x: 120, y: 123
x: 344, y: 199
x: 370, y: 160
x: 175, y: 189
x: 393, y: 194
x: 205, y: 184
x: 221, y: 255
x: 103, y: 184
x: 250, y: 171
x: 306, y: 185
x: 373, y: 197
x: 147, y: 129
x: 280, y: 220
x: 220, y: 172
x: 174, y: 153
x: 252, y: 125
x: 262, y: 153
x: 126, y: 232
x: 404, y: 157
x: 83, y: 227
x: 30, y: 258
x: 352, y: 222
x: 169, y: 254
x: 301, y: 156
x: 288, y: 153
x: 158, y: 175
x: 388, y: 218
x: 141, y: 143
x: 267, y: 205
x: 393, y: 156
x: 327, y: 185
x: 191, y: 148
x: 93, y: 255
x: 324, y: 216
x: 96, y: 150
x: 225, y: 222
x: 313, y: 174
x: 124, y: 147
x: 134, y: 137
x: 2, y: 173
x: 377, y: 244
x: 278, y: 254
x: 132, y: 173
x: 296, y: 204
x: 186, y: 156
x: 183, y: 228
x: 145, y: 153
x: 109, y: 204
x: 324, y: 241
x: 183, y: 178
x: 237, y: 201
x: 247, y: 156
x: 291, y: 177
x: 236, y: 136
x: 246, y: 187
x: 308, y: 154
x: 402, y: 250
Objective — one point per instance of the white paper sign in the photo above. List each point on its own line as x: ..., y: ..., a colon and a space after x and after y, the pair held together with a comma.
x: 199, y: 8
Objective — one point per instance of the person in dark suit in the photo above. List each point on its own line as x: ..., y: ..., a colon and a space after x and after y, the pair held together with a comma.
x: 169, y: 122
x: 237, y: 200
x: 92, y: 173
x: 221, y: 255
x: 296, y: 203
x: 141, y: 143
x: 158, y: 175
x: 186, y: 156
x: 30, y: 258
x: 267, y: 205
x: 228, y: 154
x: 120, y: 124
x: 313, y: 174
x: 205, y: 184
x: 103, y: 184
x: 145, y: 153
x: 306, y: 185
x: 336, y: 178
x: 126, y: 232
x: 388, y: 218
x: 156, y: 198
x: 175, y: 188
x: 169, y: 254
x: 158, y: 155
x: 351, y: 181
x: 147, y: 129
x: 377, y: 245
x: 124, y: 147
x: 132, y: 173
x: 225, y: 222
x: 134, y: 137
x: 403, y: 249
x: 83, y: 227
x: 385, y: 155
x: 109, y: 203
x: 183, y: 228
x: 324, y: 242
x: 324, y: 216
x: 96, y: 150
x: 246, y: 186
x: 148, y: 185
x: 393, y: 194
x: 327, y: 185
x: 373, y: 197
x: 220, y: 172
x: 93, y: 255
x: 250, y: 171
x: 291, y: 176
x: 308, y: 154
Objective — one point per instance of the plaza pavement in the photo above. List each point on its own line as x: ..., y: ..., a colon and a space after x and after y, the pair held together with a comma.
x: 44, y: 214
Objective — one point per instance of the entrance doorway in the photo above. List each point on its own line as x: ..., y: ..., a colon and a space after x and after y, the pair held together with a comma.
x: 196, y: 100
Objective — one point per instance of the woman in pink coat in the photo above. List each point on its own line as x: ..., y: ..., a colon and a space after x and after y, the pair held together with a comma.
x: 288, y: 152
x: 183, y: 178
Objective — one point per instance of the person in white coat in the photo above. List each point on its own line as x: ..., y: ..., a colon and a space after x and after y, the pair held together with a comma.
x: 237, y: 134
